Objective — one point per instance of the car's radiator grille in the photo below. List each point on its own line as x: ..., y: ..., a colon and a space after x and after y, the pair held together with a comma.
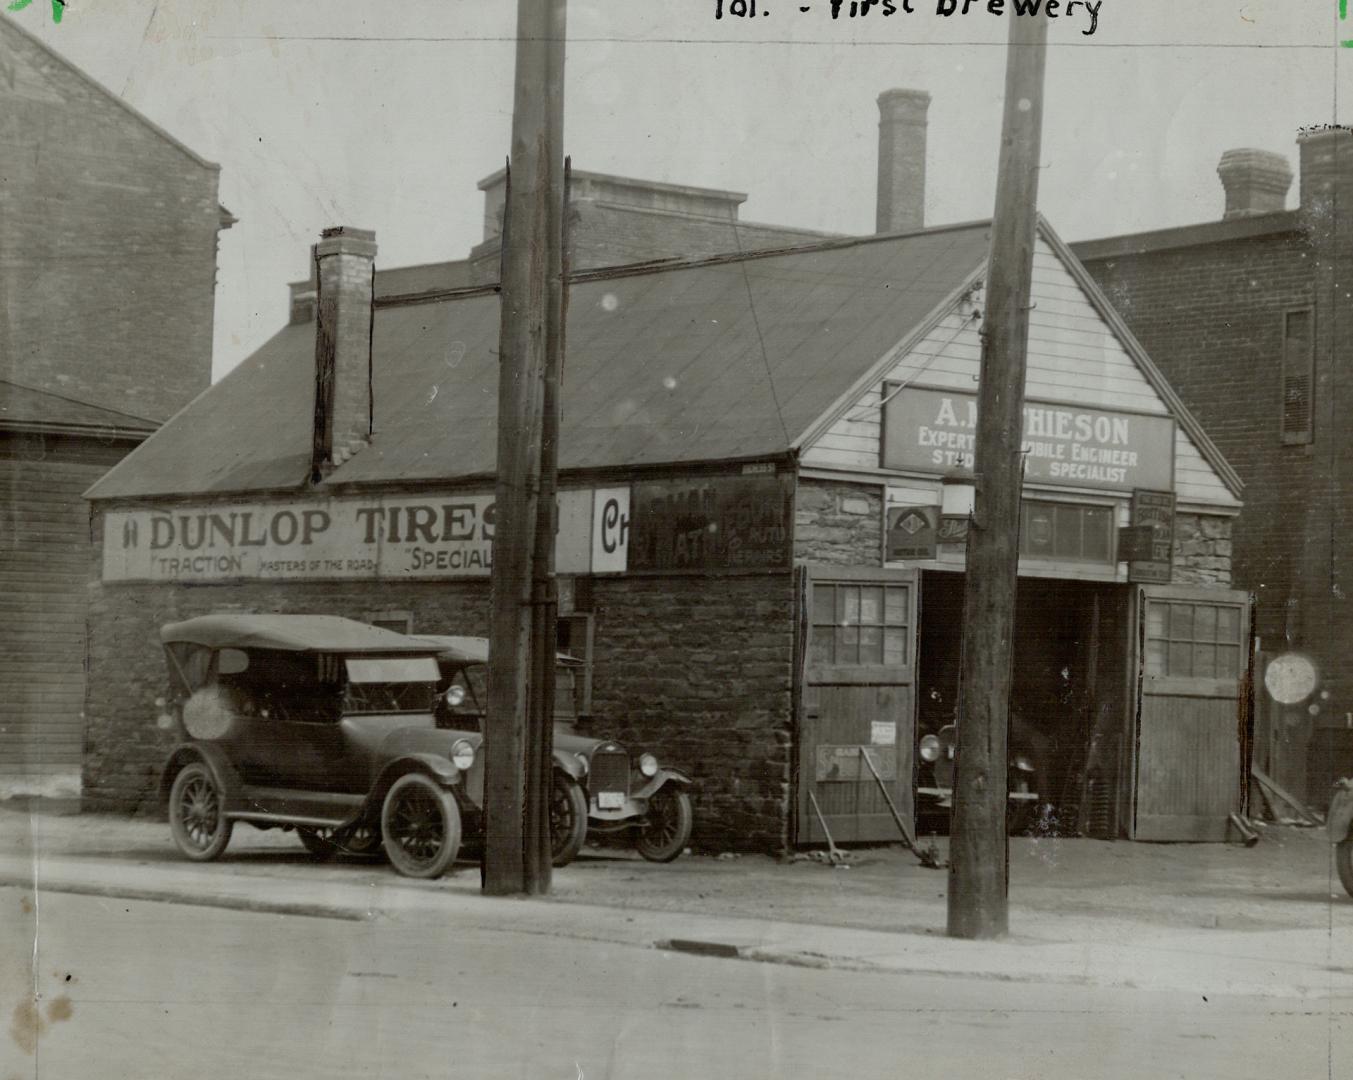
x: 610, y: 771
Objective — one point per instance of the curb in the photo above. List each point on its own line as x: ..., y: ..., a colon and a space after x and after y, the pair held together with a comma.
x: 169, y: 896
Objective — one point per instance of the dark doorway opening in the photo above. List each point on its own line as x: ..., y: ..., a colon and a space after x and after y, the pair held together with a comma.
x: 1066, y: 700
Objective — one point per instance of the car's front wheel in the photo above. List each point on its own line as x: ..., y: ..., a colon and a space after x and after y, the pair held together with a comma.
x: 420, y: 824
x: 1343, y: 862
x: 197, y: 817
x: 668, y: 826
x: 568, y: 819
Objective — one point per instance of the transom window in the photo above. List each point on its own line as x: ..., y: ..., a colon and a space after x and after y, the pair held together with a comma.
x: 1192, y: 640
x: 861, y: 625
x: 1049, y: 530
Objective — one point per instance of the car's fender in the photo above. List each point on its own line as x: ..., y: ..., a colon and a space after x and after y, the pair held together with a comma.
x: 214, y: 758
x: 569, y: 764
x: 661, y: 779
x: 439, y: 767
x: 1340, y: 819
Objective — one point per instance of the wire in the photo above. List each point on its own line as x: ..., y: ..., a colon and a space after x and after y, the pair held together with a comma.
x: 920, y: 370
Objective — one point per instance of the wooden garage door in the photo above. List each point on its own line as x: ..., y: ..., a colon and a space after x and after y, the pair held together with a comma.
x: 1194, y: 650
x: 858, y: 698
x: 44, y: 570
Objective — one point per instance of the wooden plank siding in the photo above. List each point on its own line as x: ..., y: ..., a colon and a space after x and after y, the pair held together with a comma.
x: 44, y: 571
x: 1188, y: 769
x: 1074, y: 357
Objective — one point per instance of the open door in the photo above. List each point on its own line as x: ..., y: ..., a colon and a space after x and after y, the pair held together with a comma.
x: 858, y: 698
x: 1193, y: 655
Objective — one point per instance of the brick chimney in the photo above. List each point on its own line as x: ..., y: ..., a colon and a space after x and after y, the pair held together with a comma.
x: 344, y: 260
x: 902, y: 136
x: 1327, y: 168
x: 1256, y: 182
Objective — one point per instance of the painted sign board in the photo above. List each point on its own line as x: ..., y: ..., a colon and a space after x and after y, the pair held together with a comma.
x: 610, y: 530
x: 1154, y: 509
x: 911, y: 533
x: 380, y: 537
x: 1075, y: 446
x: 711, y: 523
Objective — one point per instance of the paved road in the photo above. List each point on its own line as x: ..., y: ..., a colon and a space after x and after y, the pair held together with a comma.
x: 142, y: 990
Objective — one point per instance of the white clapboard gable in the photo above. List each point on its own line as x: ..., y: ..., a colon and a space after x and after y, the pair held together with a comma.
x: 1076, y: 356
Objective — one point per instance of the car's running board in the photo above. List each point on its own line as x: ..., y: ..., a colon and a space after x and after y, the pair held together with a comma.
x: 295, y: 807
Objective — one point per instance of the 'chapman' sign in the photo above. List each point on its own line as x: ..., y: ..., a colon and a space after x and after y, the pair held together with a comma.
x: 934, y: 431
x: 382, y: 537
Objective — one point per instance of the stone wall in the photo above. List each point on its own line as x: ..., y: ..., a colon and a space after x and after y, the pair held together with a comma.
x: 1202, y: 549
x: 697, y: 669
x: 838, y: 523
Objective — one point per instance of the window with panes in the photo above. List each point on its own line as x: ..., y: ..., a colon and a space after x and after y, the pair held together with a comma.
x: 861, y: 625
x: 1190, y: 640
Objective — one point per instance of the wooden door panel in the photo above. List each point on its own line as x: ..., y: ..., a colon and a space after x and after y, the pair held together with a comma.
x: 1188, y: 775
x: 847, y: 794
x: 1188, y: 768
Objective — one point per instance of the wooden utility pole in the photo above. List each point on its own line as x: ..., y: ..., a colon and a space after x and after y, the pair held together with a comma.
x: 978, y: 846
x: 514, y: 803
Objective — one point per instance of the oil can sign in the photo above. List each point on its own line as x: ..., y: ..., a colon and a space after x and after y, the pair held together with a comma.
x: 912, y: 532
x: 1153, y: 510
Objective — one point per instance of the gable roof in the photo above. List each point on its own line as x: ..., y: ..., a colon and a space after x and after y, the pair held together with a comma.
x: 12, y: 25
x: 677, y: 362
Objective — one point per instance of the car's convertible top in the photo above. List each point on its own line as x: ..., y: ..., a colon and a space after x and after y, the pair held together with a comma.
x: 470, y: 650
x: 293, y: 633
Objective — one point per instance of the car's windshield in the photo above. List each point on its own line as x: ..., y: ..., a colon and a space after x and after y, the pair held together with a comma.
x: 388, y: 697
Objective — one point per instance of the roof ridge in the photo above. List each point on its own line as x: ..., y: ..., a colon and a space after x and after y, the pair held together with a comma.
x: 80, y: 401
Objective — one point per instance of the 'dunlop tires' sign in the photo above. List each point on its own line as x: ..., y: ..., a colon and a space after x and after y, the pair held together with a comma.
x: 380, y: 537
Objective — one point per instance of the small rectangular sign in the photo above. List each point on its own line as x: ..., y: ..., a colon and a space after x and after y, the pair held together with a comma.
x: 911, y: 532
x: 610, y: 530
x: 953, y: 528
x: 1153, y: 510
x: 846, y: 763
x: 882, y: 733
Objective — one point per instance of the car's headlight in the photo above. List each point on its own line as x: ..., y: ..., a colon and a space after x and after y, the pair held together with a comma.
x: 1023, y: 764
x: 462, y: 755
x: 582, y: 760
x: 930, y: 748
x: 648, y: 765
x: 454, y: 695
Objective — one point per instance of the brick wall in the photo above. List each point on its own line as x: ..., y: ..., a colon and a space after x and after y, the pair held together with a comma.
x: 1211, y: 317
x: 696, y: 669
x: 107, y: 244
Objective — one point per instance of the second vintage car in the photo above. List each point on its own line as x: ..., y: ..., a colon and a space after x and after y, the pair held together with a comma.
x: 619, y: 792
x: 320, y: 725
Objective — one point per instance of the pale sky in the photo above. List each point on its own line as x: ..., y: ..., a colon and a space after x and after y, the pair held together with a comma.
x: 385, y: 114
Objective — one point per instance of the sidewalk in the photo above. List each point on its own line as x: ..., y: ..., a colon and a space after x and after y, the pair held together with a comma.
x: 1206, y: 918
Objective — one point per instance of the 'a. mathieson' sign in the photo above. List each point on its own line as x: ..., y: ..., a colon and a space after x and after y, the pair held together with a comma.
x: 935, y: 430
x: 384, y: 537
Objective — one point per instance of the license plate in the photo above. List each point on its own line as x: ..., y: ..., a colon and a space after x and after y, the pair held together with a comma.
x: 610, y: 800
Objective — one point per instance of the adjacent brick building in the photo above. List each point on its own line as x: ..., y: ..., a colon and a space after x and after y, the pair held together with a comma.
x: 1250, y: 317
x: 108, y: 230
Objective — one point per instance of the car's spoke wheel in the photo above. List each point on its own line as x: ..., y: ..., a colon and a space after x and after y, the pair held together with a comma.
x: 668, y: 825
x: 197, y: 818
x: 568, y: 819
x: 1343, y: 862
x: 420, y: 826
